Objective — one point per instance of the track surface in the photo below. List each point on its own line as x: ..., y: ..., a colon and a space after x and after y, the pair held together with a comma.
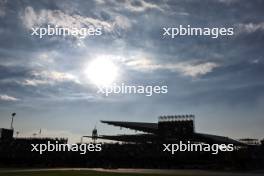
x: 143, y: 171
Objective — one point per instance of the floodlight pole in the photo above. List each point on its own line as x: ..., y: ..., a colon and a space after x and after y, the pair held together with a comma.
x: 12, y: 120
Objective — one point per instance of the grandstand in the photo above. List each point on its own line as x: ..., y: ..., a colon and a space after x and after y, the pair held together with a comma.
x: 167, y: 129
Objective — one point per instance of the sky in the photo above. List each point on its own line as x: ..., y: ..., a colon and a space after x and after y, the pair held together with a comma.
x: 219, y: 80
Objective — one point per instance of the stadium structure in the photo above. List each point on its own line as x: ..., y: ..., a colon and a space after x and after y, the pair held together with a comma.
x: 7, y: 136
x: 168, y: 129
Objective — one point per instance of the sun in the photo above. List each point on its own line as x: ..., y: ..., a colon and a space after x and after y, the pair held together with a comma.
x: 102, y: 71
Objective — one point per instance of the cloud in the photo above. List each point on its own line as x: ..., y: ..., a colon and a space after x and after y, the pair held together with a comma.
x: 251, y: 27
x: 99, y: 1
x: 140, y: 6
x: 49, y: 77
x: 228, y: 2
x: 122, y: 22
x: 131, y: 5
x: 4, y: 97
x: 185, y: 68
x: 255, y: 61
x: 54, y: 75
x: 195, y: 70
x: 32, y: 18
x: 46, y: 57
x: 34, y: 82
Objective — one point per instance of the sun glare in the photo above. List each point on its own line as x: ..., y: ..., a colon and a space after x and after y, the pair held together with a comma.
x: 102, y: 71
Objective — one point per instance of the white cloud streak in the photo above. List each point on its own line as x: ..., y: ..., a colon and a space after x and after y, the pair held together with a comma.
x: 251, y: 27
x: 185, y: 68
x: 131, y: 5
x: 140, y: 6
x: 49, y: 77
x: 4, y: 97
